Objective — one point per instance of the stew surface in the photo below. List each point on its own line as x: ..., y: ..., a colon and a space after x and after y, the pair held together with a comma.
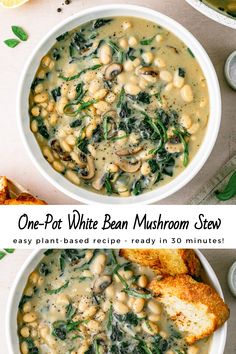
x: 95, y: 302
x: 228, y: 6
x: 119, y: 106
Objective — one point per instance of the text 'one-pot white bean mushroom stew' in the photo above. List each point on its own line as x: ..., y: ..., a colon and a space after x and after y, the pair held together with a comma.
x: 97, y: 302
x: 119, y: 106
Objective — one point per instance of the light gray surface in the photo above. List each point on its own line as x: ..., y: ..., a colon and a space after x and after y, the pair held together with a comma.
x: 38, y: 16
x: 220, y: 260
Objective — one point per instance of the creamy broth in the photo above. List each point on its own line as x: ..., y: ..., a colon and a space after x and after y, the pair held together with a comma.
x: 228, y: 6
x: 119, y: 106
x: 94, y: 301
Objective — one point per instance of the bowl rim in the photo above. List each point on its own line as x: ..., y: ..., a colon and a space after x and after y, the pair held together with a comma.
x: 31, y: 262
x: 212, y: 13
x: 157, y: 194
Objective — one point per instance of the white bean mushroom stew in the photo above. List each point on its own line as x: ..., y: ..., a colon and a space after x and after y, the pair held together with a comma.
x: 95, y: 302
x: 119, y: 106
x: 227, y: 6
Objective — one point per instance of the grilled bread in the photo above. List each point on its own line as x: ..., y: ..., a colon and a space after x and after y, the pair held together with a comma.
x: 22, y: 198
x: 165, y: 261
x: 195, y: 308
x: 4, y: 191
x: 26, y: 199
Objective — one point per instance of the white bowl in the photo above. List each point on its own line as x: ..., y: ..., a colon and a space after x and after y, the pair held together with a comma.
x: 213, y: 13
x: 32, y: 146
x: 219, y: 337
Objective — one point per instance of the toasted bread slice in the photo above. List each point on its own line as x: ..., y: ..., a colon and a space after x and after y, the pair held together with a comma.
x: 26, y: 199
x: 195, y: 308
x: 4, y: 191
x: 165, y: 261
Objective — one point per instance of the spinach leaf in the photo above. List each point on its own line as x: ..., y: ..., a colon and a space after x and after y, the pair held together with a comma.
x: 48, y: 252
x: 58, y: 290
x: 56, y: 93
x: 143, y: 97
x: 62, y: 36
x: 23, y: 300
x: 101, y: 22
x: 42, y: 129
x: 229, y: 191
x: 2, y: 254
x: 43, y: 269
x: 31, y: 346
x: 137, y: 187
x: 181, y: 72
x: 153, y: 165
x: 20, y: 33
x: 35, y: 83
x: 76, y: 123
x: 55, y: 54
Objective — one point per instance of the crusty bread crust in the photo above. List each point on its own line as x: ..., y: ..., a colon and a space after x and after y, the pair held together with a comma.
x: 25, y: 199
x: 182, y: 291
x: 4, y: 191
x: 165, y: 261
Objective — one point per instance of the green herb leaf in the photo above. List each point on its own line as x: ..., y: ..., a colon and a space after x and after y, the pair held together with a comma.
x: 229, y: 191
x: 70, y: 78
x: 58, y: 290
x: 2, y: 254
x: 12, y: 43
x: 20, y: 33
x: 190, y: 52
x: 108, y: 184
x: 9, y: 250
x: 147, y: 41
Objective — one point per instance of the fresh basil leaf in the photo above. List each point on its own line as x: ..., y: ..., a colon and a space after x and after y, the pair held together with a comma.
x: 12, y: 43
x: 20, y: 33
x: 229, y: 191
x: 2, y: 254
x: 9, y: 250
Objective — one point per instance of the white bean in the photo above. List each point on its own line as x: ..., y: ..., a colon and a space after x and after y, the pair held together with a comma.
x: 165, y: 75
x: 98, y: 265
x: 138, y: 305
x: 120, y: 308
x: 186, y: 93
x: 73, y: 177
x: 30, y: 317
x: 148, y: 57
x: 123, y: 43
x: 132, y: 89
x: 154, y: 307
x: 105, y: 54
x: 178, y: 81
x: 185, y: 121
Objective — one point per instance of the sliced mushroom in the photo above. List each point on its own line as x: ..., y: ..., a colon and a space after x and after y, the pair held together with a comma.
x: 101, y: 284
x: 149, y: 71
x: 128, y: 166
x: 80, y: 158
x: 129, y: 151
x: 55, y: 145
x: 113, y: 70
x: 89, y: 172
x: 99, y: 182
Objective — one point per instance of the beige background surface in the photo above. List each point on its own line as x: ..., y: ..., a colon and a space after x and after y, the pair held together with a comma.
x: 220, y: 260
x: 37, y: 17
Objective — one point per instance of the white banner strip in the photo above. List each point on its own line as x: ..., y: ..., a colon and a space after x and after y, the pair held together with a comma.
x: 102, y: 226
